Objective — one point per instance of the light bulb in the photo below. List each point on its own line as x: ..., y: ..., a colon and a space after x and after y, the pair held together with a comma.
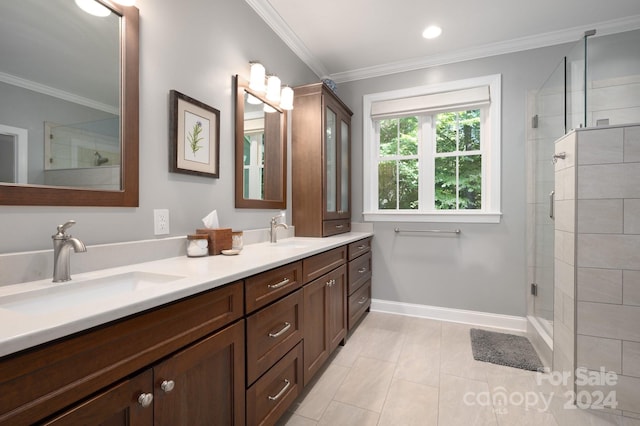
x: 273, y: 89
x: 256, y: 81
x: 286, y: 98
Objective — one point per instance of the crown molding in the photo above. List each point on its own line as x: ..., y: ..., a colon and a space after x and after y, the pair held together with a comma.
x: 57, y: 93
x: 269, y: 15
x: 264, y: 9
x: 500, y: 48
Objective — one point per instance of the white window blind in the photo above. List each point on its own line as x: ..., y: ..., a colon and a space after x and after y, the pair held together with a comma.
x: 443, y: 101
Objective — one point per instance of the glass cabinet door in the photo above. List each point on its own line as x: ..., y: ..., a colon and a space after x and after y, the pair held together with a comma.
x: 336, y: 151
x: 344, y: 167
x: 331, y: 161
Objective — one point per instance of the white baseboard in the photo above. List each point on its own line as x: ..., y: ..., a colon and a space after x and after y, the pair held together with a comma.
x: 485, y: 319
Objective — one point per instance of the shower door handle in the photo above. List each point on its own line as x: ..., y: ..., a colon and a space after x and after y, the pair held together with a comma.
x: 551, y: 202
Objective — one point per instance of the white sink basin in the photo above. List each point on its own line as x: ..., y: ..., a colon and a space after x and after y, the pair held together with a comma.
x: 298, y: 243
x: 59, y: 297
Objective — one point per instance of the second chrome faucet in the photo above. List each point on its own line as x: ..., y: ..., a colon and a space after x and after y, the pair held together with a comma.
x: 274, y: 228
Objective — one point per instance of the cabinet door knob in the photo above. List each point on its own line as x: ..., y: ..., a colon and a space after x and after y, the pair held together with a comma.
x: 287, y: 383
x: 280, y: 284
x: 167, y: 385
x: 145, y: 399
x: 362, y: 270
x: 286, y: 327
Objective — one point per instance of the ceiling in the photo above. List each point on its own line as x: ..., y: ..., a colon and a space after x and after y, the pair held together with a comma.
x: 354, y: 39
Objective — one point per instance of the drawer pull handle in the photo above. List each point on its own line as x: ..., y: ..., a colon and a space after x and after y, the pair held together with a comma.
x: 361, y: 247
x: 362, y: 270
x: 145, y: 399
x: 363, y: 300
x: 339, y: 226
x: 287, y: 383
x: 280, y: 284
x: 167, y: 385
x: 330, y: 283
x: 284, y: 329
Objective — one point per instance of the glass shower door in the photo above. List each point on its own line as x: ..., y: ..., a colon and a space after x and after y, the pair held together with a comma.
x: 549, y: 123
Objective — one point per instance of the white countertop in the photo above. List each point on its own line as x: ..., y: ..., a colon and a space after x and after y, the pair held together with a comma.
x: 21, y: 330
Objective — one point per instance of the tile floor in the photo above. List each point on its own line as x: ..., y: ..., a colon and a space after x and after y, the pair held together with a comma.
x: 397, y: 370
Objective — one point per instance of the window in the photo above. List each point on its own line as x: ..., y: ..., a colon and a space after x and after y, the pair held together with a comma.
x: 433, y: 153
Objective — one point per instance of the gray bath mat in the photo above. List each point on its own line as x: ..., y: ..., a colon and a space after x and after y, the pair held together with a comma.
x: 504, y: 349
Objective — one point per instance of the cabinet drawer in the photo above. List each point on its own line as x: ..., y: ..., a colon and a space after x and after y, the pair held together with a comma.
x: 359, y: 272
x: 359, y: 247
x: 269, y: 397
x: 359, y: 302
x: 271, y: 333
x: 334, y: 227
x: 318, y: 265
x: 264, y: 288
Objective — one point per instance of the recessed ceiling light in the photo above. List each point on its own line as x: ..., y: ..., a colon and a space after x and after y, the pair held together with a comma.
x: 432, y: 31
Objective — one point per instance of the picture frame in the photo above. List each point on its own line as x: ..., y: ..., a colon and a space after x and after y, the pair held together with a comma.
x: 194, y: 136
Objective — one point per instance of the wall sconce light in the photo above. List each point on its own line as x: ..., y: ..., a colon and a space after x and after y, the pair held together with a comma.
x: 274, y: 92
x: 286, y: 98
x: 256, y: 81
x: 273, y: 89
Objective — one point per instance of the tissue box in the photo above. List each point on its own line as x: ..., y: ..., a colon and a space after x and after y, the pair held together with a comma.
x: 219, y: 239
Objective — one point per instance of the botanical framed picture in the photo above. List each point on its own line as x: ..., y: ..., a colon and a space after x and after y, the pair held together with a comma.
x: 194, y: 139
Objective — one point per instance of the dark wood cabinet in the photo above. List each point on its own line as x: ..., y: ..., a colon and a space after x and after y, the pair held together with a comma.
x: 321, y: 163
x: 271, y: 333
x: 234, y: 355
x: 202, y: 384
x: 122, y: 405
x: 61, y: 375
x: 325, y: 319
x: 270, y: 396
x: 359, y: 284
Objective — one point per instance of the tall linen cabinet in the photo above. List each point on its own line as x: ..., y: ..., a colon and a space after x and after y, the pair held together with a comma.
x: 321, y: 162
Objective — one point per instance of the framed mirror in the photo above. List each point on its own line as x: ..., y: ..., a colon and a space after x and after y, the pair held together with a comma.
x: 68, y: 104
x: 260, y: 151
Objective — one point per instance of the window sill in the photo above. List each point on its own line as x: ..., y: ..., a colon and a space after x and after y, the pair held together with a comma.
x: 449, y: 217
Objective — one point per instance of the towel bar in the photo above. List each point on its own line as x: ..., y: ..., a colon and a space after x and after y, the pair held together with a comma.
x: 432, y: 231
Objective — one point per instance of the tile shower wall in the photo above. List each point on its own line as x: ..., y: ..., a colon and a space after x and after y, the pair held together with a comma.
x: 564, y: 262
x: 608, y: 259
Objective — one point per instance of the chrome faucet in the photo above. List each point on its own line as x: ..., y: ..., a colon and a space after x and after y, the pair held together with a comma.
x: 62, y: 244
x: 274, y: 227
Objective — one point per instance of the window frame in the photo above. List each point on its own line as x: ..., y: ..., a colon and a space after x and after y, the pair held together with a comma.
x: 491, y: 172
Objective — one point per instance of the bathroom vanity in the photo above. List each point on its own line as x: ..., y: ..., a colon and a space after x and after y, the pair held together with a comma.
x: 230, y: 340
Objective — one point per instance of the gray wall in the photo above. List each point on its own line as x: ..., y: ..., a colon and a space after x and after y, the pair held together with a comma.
x: 194, y: 47
x: 484, y: 268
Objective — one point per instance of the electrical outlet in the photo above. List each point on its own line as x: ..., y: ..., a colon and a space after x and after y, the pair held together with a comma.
x: 161, y: 221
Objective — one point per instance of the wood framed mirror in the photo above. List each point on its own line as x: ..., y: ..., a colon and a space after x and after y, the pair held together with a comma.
x: 260, y: 150
x: 31, y: 188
